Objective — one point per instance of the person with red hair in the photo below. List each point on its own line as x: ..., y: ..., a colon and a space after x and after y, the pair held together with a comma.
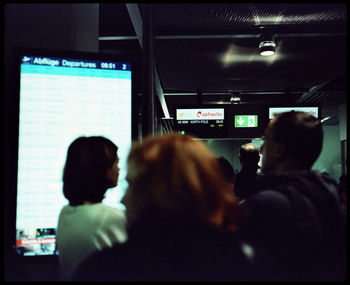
x: 179, y: 176
x: 183, y: 220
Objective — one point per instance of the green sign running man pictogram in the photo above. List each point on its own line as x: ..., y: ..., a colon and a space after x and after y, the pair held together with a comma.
x: 246, y: 121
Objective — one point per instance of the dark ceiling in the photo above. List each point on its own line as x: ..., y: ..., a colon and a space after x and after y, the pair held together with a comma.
x: 213, y: 49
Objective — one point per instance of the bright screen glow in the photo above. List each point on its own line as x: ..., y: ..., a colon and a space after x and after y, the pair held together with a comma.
x: 60, y: 100
x: 277, y: 110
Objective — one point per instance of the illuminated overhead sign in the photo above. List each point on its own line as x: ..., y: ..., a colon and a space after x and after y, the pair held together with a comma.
x: 246, y: 121
x: 200, y: 114
x: 273, y: 111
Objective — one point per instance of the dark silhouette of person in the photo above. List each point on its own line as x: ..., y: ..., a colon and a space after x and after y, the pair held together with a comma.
x: 297, y: 216
x: 227, y: 170
x: 343, y: 186
x: 183, y: 220
x: 247, y: 180
x: 342, y: 192
x: 86, y: 225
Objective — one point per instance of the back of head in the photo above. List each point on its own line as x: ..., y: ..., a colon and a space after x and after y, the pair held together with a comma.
x: 177, y: 175
x: 249, y: 155
x: 227, y: 169
x: 302, y: 135
x: 84, y: 175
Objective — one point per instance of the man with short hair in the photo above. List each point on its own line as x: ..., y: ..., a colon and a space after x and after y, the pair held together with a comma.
x: 246, y: 181
x: 297, y: 216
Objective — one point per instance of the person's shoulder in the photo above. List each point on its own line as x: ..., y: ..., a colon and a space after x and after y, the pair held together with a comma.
x: 106, y: 211
x: 268, y: 201
x: 112, y: 210
x: 65, y: 209
x: 269, y: 195
x: 69, y: 211
x: 111, y: 218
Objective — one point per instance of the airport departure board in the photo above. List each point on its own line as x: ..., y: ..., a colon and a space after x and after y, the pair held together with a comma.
x: 62, y: 98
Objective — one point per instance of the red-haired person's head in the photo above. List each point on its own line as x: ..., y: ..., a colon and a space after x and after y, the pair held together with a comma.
x: 177, y: 175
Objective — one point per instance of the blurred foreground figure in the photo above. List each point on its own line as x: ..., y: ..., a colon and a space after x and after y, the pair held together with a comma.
x: 183, y: 220
x: 297, y: 216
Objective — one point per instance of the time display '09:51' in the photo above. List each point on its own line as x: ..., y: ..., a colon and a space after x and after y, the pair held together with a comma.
x: 108, y: 65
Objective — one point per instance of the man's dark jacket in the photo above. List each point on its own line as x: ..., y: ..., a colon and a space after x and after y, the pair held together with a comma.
x: 297, y: 218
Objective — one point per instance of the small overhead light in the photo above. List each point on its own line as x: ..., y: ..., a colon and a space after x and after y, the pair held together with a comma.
x: 235, y: 99
x: 267, y: 48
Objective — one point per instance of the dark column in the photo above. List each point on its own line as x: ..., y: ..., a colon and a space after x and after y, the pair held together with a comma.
x: 148, y: 68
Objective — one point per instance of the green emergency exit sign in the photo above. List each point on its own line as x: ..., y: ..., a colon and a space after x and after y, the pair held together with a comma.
x: 246, y: 121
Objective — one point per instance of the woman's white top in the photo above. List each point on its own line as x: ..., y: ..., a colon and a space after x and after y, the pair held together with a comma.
x: 85, y: 229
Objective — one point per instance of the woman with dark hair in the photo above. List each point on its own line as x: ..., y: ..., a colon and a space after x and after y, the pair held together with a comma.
x: 183, y: 220
x: 86, y: 225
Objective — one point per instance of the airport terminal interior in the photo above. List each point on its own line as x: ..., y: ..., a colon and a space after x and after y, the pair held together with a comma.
x: 219, y: 72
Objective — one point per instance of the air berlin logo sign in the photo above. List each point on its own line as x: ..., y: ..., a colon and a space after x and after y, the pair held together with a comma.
x: 195, y: 114
x: 209, y: 115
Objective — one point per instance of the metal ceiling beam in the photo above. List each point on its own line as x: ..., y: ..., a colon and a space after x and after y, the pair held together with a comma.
x: 177, y: 37
x: 229, y: 93
x: 117, y: 38
x: 148, y: 117
x: 295, y: 35
x: 136, y: 20
x: 247, y: 36
x: 235, y: 36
